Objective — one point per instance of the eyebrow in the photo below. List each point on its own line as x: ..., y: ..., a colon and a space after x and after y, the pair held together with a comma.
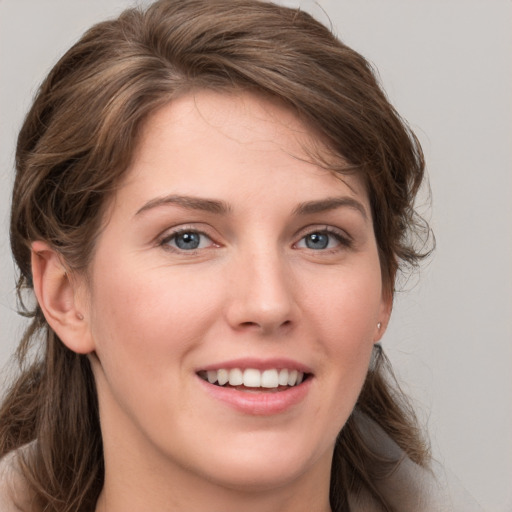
x: 331, y: 203
x: 188, y: 202
x: 221, y: 208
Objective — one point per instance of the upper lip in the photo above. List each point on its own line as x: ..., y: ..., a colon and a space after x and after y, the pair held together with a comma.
x: 258, y: 364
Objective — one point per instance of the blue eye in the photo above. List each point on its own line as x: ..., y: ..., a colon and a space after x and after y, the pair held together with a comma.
x: 321, y: 240
x: 187, y: 241
x: 317, y: 241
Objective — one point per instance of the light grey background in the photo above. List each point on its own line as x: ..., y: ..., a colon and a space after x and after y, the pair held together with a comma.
x: 447, y: 66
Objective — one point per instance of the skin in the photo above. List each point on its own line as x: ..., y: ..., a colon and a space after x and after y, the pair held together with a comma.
x: 150, y: 314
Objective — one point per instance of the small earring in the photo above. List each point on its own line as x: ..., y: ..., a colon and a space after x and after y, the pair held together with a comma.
x: 379, y: 325
x: 80, y: 316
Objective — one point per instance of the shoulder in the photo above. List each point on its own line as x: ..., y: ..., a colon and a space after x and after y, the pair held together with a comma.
x: 422, y: 490
x: 410, y: 486
x: 13, y: 487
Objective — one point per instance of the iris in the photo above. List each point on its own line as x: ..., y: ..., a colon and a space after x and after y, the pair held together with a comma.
x: 317, y: 241
x: 187, y: 241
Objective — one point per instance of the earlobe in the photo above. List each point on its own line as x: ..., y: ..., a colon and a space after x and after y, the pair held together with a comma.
x: 57, y: 296
x: 384, y: 316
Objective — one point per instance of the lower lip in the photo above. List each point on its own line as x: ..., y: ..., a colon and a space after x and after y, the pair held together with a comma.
x: 264, y: 403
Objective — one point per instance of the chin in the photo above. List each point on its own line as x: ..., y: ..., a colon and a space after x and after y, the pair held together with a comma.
x: 267, y: 466
x: 257, y: 477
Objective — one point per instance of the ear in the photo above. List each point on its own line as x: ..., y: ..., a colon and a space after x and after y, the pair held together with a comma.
x: 61, y: 299
x: 386, y: 306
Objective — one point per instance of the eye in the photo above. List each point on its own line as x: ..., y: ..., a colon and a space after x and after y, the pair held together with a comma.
x: 186, y: 240
x: 322, y: 240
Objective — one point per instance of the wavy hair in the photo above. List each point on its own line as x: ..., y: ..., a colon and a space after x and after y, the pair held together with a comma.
x: 77, y: 142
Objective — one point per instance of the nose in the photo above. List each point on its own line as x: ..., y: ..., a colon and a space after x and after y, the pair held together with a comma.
x: 261, y: 294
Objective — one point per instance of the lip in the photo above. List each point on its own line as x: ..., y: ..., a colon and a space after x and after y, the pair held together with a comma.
x: 258, y: 403
x: 258, y: 364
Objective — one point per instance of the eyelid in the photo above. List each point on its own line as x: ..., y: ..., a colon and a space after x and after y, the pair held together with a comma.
x: 163, y: 239
x: 324, y: 228
x: 344, y: 238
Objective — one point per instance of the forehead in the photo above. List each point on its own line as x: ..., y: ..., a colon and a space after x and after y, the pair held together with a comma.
x: 246, y: 118
x: 200, y: 142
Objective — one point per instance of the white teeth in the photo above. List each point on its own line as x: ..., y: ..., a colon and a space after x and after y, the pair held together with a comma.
x: 252, y: 378
x: 222, y: 377
x: 292, y: 378
x: 283, y: 377
x: 235, y: 377
x: 269, y: 379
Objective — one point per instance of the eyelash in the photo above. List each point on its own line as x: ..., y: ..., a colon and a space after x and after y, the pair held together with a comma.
x: 344, y: 240
x: 166, y: 239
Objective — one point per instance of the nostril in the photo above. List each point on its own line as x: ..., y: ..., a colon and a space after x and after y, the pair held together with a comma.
x: 264, y: 326
x: 249, y: 324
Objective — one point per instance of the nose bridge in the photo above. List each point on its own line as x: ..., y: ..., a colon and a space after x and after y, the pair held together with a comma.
x: 262, y: 289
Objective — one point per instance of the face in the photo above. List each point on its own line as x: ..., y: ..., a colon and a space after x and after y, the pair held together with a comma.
x: 234, y: 298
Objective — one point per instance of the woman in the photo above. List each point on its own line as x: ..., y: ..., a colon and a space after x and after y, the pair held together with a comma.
x: 212, y: 202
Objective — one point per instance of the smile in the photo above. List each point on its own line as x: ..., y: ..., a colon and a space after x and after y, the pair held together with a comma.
x: 251, y: 378
x: 257, y: 387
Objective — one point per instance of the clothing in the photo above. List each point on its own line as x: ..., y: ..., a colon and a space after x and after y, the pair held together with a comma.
x: 411, y: 487
x: 13, y: 492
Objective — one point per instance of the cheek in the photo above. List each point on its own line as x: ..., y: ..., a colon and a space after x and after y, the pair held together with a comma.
x: 144, y: 328
x: 346, y: 316
x: 347, y: 304
x: 151, y: 315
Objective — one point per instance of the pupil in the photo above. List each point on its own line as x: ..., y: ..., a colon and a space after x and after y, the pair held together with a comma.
x: 317, y: 241
x: 188, y: 240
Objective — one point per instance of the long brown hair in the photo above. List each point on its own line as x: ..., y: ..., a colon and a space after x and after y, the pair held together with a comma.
x: 78, y: 140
